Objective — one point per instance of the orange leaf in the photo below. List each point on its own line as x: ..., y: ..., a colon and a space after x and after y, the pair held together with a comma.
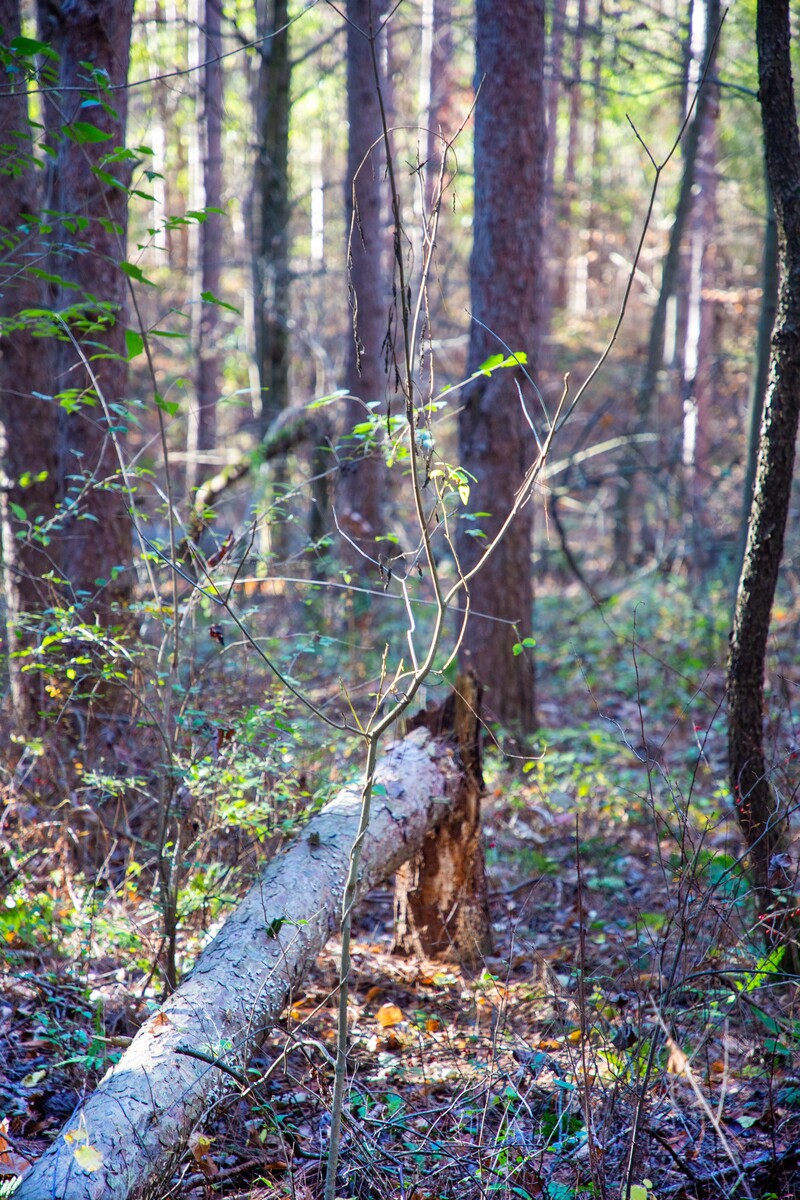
x: 389, y: 1014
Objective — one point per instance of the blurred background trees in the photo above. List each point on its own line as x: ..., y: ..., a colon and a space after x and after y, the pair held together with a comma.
x: 284, y: 295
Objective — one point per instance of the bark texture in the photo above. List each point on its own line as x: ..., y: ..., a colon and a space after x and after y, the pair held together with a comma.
x: 271, y: 213
x: 507, y: 286
x: 441, y: 902
x: 761, y: 811
x: 365, y: 375
x: 203, y: 421
x: 28, y: 421
x: 760, y: 380
x: 93, y: 41
x: 145, y: 1108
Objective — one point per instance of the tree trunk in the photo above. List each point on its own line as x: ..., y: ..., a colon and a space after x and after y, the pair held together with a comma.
x: 569, y: 188
x: 271, y: 213
x: 506, y: 284
x: 140, y: 1118
x: 699, y: 339
x: 758, y: 386
x: 28, y: 420
x: 761, y: 810
x: 555, y: 46
x: 365, y: 377
x: 93, y: 42
x: 203, y: 420
x: 441, y: 903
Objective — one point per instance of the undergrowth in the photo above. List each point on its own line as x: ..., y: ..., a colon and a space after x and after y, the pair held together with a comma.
x: 629, y: 1030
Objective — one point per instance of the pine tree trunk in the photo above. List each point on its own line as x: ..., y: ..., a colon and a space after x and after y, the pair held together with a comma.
x: 365, y: 378
x: 96, y: 536
x: 203, y: 419
x: 28, y: 421
x: 506, y: 284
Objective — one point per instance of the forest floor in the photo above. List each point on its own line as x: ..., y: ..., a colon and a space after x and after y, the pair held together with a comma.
x: 628, y: 1029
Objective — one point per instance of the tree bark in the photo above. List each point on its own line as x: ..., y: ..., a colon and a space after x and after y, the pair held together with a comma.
x: 758, y: 386
x: 92, y: 40
x: 365, y: 377
x: 203, y: 420
x: 28, y: 419
x: 441, y: 901
x: 698, y: 383
x: 139, y: 1119
x: 507, y: 282
x: 762, y: 812
x: 271, y: 213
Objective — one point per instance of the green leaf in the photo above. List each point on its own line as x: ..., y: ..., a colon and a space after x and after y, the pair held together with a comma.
x: 134, y: 272
x: 134, y: 343
x: 29, y: 46
x: 83, y: 132
x: 18, y: 511
x: 210, y: 298
x: 170, y: 407
x: 325, y: 400
x: 496, y: 362
x: 767, y: 966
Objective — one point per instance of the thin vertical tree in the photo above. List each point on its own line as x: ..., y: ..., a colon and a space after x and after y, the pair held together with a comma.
x: 271, y: 210
x: 506, y: 285
x: 761, y: 809
x: 203, y: 420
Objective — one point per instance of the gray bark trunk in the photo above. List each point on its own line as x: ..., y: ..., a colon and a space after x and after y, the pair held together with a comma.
x: 140, y: 1118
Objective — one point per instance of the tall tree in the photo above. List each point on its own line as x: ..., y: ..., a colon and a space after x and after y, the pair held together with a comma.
x: 365, y: 376
x: 203, y: 421
x: 762, y: 811
x: 58, y: 389
x: 85, y: 117
x: 271, y: 210
x: 28, y: 419
x: 506, y: 284
x: 699, y: 335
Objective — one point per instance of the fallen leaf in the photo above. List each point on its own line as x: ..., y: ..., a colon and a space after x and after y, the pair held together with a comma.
x: 88, y: 1158
x: 389, y: 1014
x: 200, y: 1144
x: 11, y: 1163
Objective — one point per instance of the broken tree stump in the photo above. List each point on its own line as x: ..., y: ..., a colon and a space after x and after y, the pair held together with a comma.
x: 441, y: 902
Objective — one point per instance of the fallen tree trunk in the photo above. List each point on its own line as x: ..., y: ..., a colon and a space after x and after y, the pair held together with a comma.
x: 132, y: 1130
